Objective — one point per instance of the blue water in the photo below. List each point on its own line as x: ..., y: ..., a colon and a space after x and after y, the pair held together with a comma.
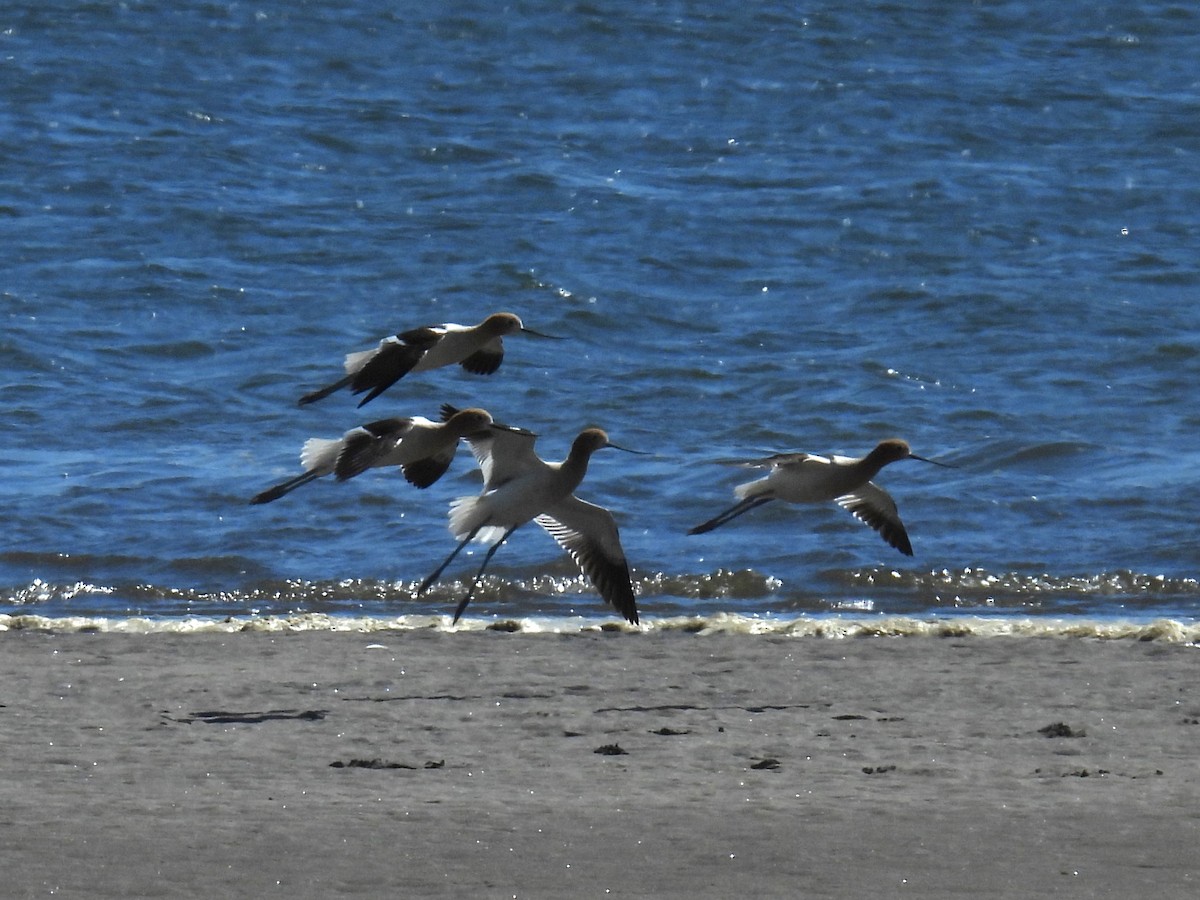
x: 757, y: 228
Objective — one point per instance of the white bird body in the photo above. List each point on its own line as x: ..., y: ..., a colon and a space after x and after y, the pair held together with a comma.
x: 421, y: 448
x: 519, y: 496
x: 479, y: 349
x: 803, y: 478
x: 519, y: 487
x: 809, y: 478
x: 402, y: 441
x: 458, y: 343
x: 443, y: 345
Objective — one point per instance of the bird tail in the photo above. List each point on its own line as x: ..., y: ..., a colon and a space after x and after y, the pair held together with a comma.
x: 320, y: 453
x: 751, y: 489
x: 468, y: 516
x: 355, y: 361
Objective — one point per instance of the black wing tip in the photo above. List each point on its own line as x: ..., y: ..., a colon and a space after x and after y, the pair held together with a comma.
x: 619, y: 595
x: 625, y: 604
x: 891, y: 531
x: 895, y: 537
x: 425, y: 472
x: 614, y: 583
x: 482, y: 362
x: 375, y: 392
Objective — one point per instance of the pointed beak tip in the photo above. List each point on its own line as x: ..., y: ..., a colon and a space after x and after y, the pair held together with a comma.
x: 613, y: 446
x: 932, y: 462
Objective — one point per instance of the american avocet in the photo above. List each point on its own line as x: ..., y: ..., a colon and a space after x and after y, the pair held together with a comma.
x: 808, y: 478
x: 423, y: 450
x: 477, y: 348
x: 519, y: 486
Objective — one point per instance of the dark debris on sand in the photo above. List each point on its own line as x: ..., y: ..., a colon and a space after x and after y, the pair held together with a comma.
x: 223, y: 717
x: 384, y: 764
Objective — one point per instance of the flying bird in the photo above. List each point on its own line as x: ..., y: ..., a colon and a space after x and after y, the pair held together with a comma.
x: 846, y: 481
x: 520, y: 486
x: 423, y: 450
x: 479, y: 349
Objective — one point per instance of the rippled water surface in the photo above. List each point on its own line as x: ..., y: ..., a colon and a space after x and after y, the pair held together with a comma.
x: 754, y: 228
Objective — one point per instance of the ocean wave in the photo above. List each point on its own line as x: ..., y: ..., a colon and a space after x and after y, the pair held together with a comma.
x: 978, y: 584
x: 566, y: 593
x: 817, y: 627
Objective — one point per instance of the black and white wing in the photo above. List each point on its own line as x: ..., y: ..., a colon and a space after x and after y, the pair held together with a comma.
x: 486, y: 359
x: 368, y: 445
x: 589, y: 534
x: 378, y: 369
x: 394, y: 358
x: 382, y: 443
x: 873, y: 506
x: 502, y: 451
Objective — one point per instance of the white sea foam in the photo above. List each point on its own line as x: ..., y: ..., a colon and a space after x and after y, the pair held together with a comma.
x: 823, y: 627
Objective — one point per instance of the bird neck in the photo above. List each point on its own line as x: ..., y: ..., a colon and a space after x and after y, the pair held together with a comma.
x: 574, y: 467
x: 870, y: 464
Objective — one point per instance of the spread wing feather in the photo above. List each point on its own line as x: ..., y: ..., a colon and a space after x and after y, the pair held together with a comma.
x: 874, y: 507
x: 589, y: 534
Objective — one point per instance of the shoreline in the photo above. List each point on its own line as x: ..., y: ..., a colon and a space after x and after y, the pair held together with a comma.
x: 832, y: 626
x: 423, y: 762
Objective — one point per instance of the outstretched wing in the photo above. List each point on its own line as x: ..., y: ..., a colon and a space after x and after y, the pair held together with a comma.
x: 873, y: 506
x: 502, y: 451
x: 486, y: 359
x: 774, y: 461
x: 368, y: 445
x: 422, y: 473
x: 393, y: 360
x: 589, y: 534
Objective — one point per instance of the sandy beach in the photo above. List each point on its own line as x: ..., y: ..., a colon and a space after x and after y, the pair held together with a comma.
x: 426, y: 763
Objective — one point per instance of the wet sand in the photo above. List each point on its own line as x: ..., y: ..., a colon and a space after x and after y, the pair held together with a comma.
x: 427, y: 763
